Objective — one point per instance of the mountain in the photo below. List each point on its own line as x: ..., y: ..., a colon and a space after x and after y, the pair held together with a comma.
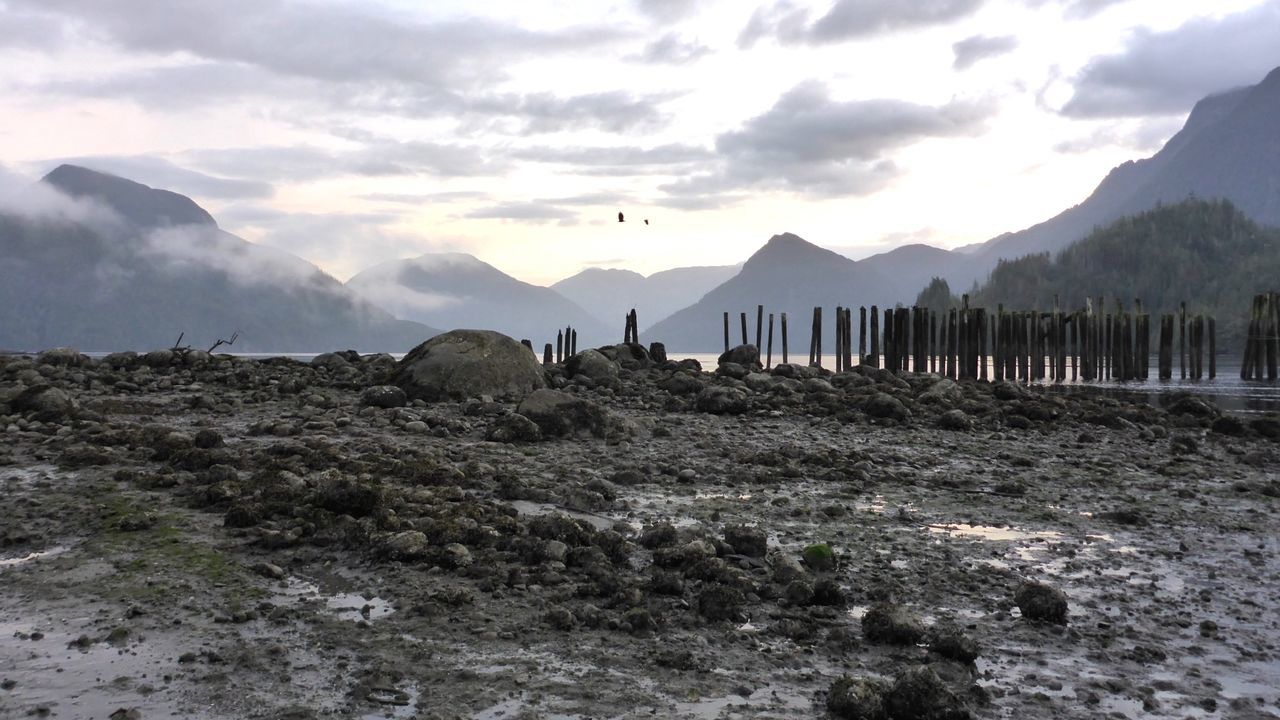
x: 610, y: 294
x: 107, y: 264
x: 787, y: 275
x: 455, y: 290
x: 1207, y: 253
x: 1229, y: 148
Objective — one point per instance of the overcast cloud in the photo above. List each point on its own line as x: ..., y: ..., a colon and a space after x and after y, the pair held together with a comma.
x: 1166, y: 73
x: 979, y: 47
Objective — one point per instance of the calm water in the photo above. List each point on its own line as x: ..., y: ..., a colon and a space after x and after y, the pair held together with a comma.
x: 1227, y: 389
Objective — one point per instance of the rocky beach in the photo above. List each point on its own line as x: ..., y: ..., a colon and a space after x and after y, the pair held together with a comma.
x: 466, y: 533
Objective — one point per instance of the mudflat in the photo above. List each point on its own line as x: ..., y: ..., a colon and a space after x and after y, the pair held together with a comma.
x: 187, y: 535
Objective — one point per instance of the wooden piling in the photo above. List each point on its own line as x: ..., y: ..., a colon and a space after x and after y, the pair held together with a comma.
x: 768, y: 363
x: 875, y: 336
x: 862, y: 335
x: 574, y: 344
x: 1166, y: 347
x: 559, y: 346
x: 547, y: 354
x: 784, y: 338
x: 1213, y: 348
x: 726, y: 331
x: 1182, y: 340
x: 759, y: 324
x: 743, y: 316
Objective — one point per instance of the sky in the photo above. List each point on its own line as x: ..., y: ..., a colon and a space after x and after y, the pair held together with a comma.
x: 352, y: 132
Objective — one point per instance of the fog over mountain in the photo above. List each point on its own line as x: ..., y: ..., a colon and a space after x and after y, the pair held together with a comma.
x: 609, y: 294
x: 456, y: 290
x: 103, y: 263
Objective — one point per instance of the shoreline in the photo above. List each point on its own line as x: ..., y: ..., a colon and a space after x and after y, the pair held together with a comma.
x: 239, y: 536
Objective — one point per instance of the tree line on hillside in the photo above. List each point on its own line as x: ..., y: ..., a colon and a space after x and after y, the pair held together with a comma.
x: 1204, y: 252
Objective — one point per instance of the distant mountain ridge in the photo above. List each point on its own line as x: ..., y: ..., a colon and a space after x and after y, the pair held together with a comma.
x: 608, y: 294
x: 456, y: 290
x: 164, y: 269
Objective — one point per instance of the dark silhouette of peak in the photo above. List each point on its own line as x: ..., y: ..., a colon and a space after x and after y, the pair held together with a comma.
x: 142, y: 206
x: 789, y: 250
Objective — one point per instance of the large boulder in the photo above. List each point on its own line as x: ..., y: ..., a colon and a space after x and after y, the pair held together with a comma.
x: 592, y: 364
x: 747, y: 356
x: 67, y: 357
x: 463, y: 364
x: 558, y: 414
x: 45, y: 402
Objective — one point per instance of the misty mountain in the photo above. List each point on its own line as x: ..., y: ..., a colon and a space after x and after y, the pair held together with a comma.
x: 787, y: 275
x: 102, y: 263
x: 456, y: 290
x: 1206, y: 253
x: 610, y: 294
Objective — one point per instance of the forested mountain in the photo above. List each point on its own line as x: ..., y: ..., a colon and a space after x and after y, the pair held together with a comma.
x: 1204, y: 252
x: 608, y: 294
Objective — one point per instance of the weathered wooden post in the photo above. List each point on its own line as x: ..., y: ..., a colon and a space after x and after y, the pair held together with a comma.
x: 862, y: 335
x: 744, y: 328
x: 559, y: 346
x: 546, y: 354
x: 769, y: 355
x: 817, y: 327
x: 1182, y: 340
x: 1273, y: 335
x: 759, y: 323
x: 839, y: 322
x: 784, y: 338
x: 875, y: 336
x: 1166, y: 347
x: 573, y: 333
x: 726, y: 331
x: 1213, y: 348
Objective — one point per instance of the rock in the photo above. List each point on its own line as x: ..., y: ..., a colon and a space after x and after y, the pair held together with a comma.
x: 384, y: 396
x: 681, y: 383
x: 514, y: 427
x: 785, y: 567
x: 819, y: 557
x: 558, y: 414
x: 1040, y: 602
x: 733, y: 370
x: 943, y: 392
x: 749, y: 541
x: 857, y: 699
x: 456, y: 555
x: 126, y: 360
x: 1184, y: 403
x: 950, y: 642
x: 631, y: 356
x: 591, y: 364
x: 463, y: 364
x: 659, y: 535
x: 45, y: 402
x: 158, y: 358
x: 1228, y: 425
x: 719, y: 400
x: 954, y: 420
x: 330, y: 361
x: 721, y: 602
x: 657, y: 353
x: 63, y: 357
x: 268, y: 570
x: 208, y: 439
x: 919, y: 694
x: 747, y: 356
x: 890, y: 624
x: 407, y: 545
x: 886, y: 406
x: 340, y: 494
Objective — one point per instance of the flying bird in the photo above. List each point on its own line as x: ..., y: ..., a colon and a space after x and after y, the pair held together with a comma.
x: 646, y: 221
x: 620, y: 218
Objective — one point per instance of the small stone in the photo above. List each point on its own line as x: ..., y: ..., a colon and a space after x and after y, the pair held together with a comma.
x: 819, y: 557
x: 269, y: 570
x: 857, y: 699
x: 891, y: 624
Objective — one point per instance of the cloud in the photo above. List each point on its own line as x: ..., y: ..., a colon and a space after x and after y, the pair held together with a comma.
x: 809, y: 144
x: 1146, y: 136
x: 620, y: 160
x: 671, y: 49
x: 850, y: 20
x: 177, y: 249
x: 1078, y: 9
x: 667, y: 10
x: 588, y: 199
x: 533, y: 212
x: 381, y: 158
x: 29, y: 31
x: 163, y: 174
x: 23, y: 197
x: 425, y: 198
x: 979, y: 47
x: 336, y: 56
x: 1166, y: 73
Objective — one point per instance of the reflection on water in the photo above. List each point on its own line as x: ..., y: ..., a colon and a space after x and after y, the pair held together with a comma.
x: 1227, y: 390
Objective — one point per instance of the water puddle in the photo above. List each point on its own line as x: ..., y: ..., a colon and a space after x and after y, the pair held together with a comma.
x: 348, y: 606
x: 525, y: 507
x: 992, y: 533
x: 32, y: 557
